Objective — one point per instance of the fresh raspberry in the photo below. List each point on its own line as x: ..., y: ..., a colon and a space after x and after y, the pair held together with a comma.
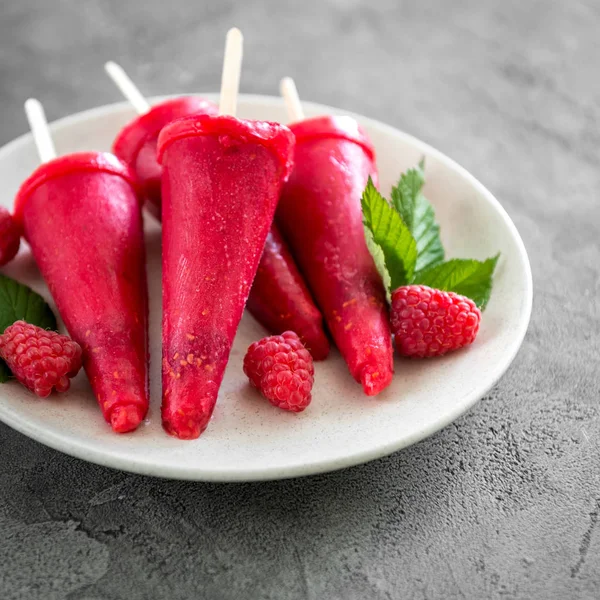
x: 282, y: 369
x: 10, y: 237
x: 40, y: 359
x: 428, y: 322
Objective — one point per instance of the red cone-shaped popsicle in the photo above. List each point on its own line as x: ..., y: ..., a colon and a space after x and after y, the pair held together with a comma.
x: 280, y: 300
x: 81, y: 216
x: 221, y: 182
x: 320, y: 216
x: 136, y: 142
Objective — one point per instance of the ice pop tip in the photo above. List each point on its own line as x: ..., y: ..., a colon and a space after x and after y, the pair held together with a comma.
x: 232, y: 66
x: 124, y: 419
x: 289, y: 92
x: 315, y: 340
x: 185, y: 426
x: 127, y: 87
x: 39, y: 129
x: 318, y: 346
x: 374, y: 379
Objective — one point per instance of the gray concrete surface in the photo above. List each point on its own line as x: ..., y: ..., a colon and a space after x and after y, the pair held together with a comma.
x: 505, y: 502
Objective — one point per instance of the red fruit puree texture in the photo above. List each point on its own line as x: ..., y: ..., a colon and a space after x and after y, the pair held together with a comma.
x: 320, y: 216
x: 279, y: 298
x: 136, y: 142
x: 221, y: 182
x: 82, y: 219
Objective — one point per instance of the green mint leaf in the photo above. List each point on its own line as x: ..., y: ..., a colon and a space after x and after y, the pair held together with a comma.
x: 379, y: 259
x: 406, y: 193
x: 471, y: 278
x: 419, y: 216
x: 17, y: 302
x: 391, y: 234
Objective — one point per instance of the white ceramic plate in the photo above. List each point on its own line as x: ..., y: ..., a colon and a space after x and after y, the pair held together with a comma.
x: 248, y: 439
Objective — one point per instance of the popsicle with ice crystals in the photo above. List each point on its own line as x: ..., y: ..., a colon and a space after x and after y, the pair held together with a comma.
x: 81, y: 215
x: 320, y: 216
x: 221, y: 183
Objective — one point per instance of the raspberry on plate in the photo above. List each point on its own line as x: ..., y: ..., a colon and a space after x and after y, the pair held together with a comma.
x: 428, y: 322
x: 10, y: 237
x: 41, y: 360
x: 282, y: 369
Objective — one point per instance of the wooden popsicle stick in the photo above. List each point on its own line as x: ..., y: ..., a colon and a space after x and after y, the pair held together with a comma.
x: 39, y: 128
x: 288, y: 90
x: 232, y: 66
x: 127, y: 87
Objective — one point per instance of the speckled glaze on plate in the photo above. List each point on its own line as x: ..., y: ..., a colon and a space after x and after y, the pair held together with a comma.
x: 248, y: 439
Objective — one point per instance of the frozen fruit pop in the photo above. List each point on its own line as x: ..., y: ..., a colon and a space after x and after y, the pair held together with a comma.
x: 320, y: 216
x: 222, y: 178
x: 136, y: 142
x: 81, y: 216
x: 221, y: 182
x: 279, y: 298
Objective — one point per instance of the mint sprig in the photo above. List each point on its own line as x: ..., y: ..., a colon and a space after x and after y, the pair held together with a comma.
x: 404, y: 239
x: 18, y: 302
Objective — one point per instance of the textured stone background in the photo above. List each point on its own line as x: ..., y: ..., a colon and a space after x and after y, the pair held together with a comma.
x: 502, y: 504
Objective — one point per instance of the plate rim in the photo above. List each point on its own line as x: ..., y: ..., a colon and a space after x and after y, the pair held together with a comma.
x: 115, y: 460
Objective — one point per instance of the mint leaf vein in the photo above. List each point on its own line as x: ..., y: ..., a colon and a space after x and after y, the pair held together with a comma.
x: 471, y: 278
x: 389, y: 232
x: 419, y: 216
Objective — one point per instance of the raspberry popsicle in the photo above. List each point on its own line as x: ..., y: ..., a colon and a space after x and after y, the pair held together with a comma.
x: 221, y: 182
x: 136, y: 142
x: 320, y: 215
x: 279, y: 298
x: 81, y: 216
